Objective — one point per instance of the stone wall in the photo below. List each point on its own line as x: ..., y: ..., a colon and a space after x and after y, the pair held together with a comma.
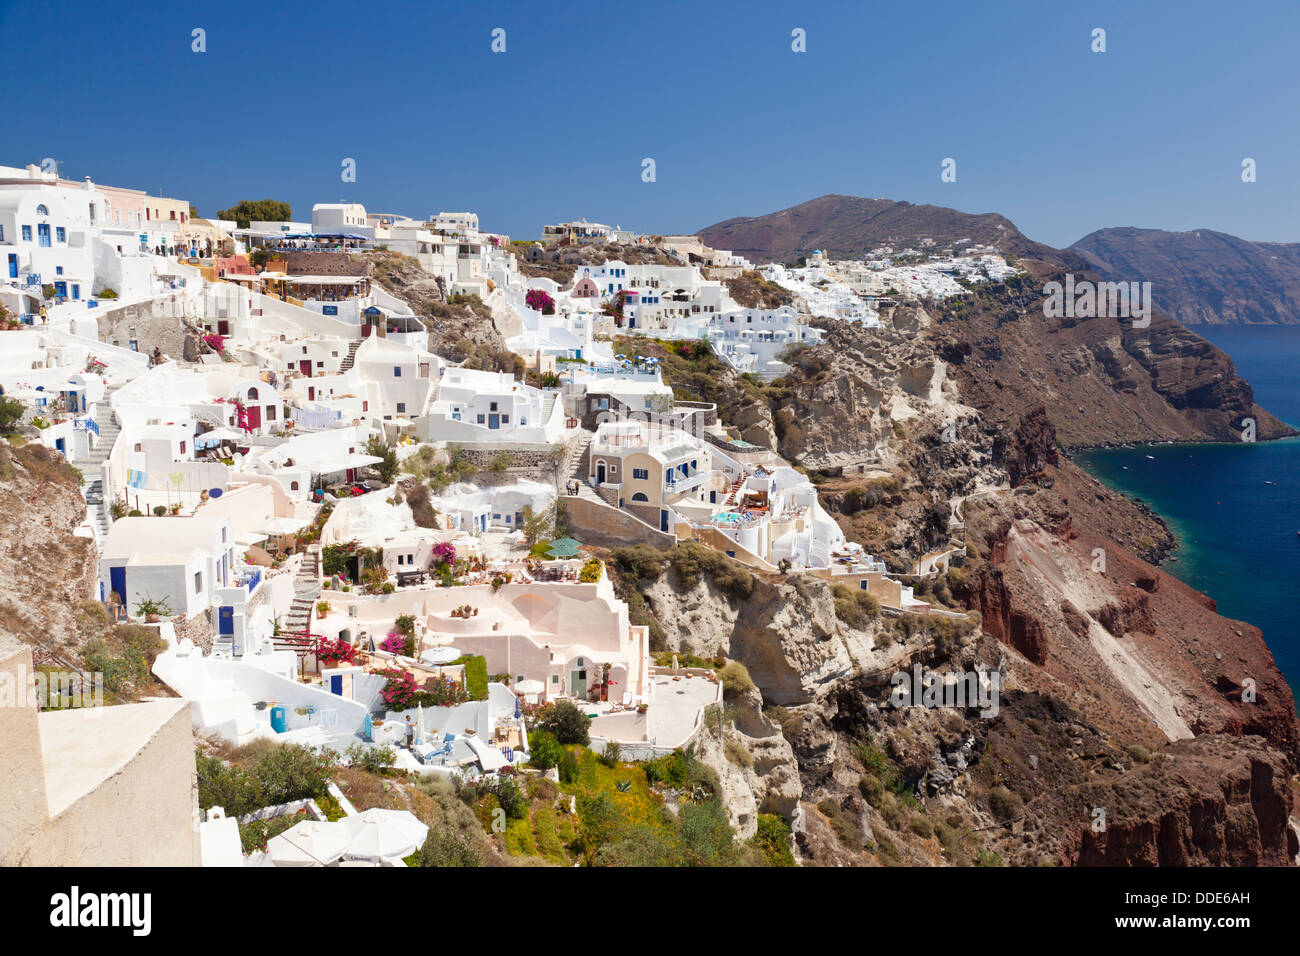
x: 156, y: 324
x: 325, y: 264
x: 598, y: 524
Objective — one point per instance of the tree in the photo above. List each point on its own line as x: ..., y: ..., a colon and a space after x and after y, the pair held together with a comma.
x: 537, y: 525
x: 263, y: 210
x: 544, y: 751
x: 11, y: 413
x: 566, y: 723
x: 194, y: 211
x: 387, y: 468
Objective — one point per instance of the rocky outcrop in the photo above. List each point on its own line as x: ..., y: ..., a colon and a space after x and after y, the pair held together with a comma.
x: 1212, y: 801
x: 1203, y: 276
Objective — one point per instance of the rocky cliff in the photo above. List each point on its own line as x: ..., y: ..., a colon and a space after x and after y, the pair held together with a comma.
x: 1203, y: 277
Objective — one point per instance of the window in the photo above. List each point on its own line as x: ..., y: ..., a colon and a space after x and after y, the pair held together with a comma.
x: 640, y: 496
x: 270, y: 413
x: 293, y: 486
x: 58, y: 270
x: 505, y: 419
x: 182, y: 448
x: 555, y: 678
x: 480, y: 419
x: 198, y: 582
x: 137, y: 447
x: 27, y: 233
x: 641, y: 473
x: 492, y: 407
x: 397, y: 371
x: 41, y: 210
x: 401, y: 407
x: 60, y: 234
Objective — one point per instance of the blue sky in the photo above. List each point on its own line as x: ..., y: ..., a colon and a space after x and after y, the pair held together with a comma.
x: 1059, y: 139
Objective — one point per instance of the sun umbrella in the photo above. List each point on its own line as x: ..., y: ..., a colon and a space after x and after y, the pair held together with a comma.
x: 310, y: 843
x: 381, y: 834
x: 563, y: 548
x: 440, y: 655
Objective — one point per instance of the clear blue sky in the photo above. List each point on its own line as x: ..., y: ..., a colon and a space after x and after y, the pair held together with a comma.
x: 1059, y: 139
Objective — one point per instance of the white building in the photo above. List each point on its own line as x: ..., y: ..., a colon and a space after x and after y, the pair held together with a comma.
x: 177, y: 561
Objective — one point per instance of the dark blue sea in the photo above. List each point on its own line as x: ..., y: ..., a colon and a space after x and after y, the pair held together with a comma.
x: 1234, y: 508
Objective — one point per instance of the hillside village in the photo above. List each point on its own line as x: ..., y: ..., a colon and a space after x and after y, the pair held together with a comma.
x: 334, y: 531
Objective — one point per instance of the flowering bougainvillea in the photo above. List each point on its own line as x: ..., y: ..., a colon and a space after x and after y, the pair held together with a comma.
x: 444, y: 552
x: 334, y: 652
x: 401, y: 692
x: 539, y: 301
x: 215, y: 342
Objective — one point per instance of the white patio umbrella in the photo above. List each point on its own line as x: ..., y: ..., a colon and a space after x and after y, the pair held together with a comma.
x: 419, y: 723
x: 310, y: 843
x: 380, y: 834
x: 439, y: 656
x: 530, y: 689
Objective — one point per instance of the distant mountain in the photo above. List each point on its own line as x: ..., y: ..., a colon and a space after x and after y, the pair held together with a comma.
x: 850, y: 226
x: 1202, y: 277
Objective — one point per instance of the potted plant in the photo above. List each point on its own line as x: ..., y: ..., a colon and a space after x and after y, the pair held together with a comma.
x: 152, y: 609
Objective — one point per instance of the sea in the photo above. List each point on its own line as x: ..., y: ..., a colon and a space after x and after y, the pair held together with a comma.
x: 1234, y: 508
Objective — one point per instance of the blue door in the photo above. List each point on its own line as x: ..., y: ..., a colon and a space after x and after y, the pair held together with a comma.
x: 226, y: 621
x: 43, y: 234
x: 336, y: 684
x: 61, y: 289
x: 76, y: 292
x: 60, y: 445
x: 494, y: 421
x: 13, y: 266
x: 117, y: 582
x: 663, y: 520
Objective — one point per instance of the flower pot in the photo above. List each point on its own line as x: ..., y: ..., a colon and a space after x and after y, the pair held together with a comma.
x: 152, y: 618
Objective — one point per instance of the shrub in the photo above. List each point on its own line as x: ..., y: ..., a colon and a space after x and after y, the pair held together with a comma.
x: 591, y: 571
x: 544, y: 751
x: 376, y: 760
x: 738, y: 755
x: 447, y: 847
x: 735, y: 679
x: 611, y: 755
x: 641, y: 561
x: 565, y: 722
x: 1004, y: 804
x: 772, y: 840
x: 159, y: 510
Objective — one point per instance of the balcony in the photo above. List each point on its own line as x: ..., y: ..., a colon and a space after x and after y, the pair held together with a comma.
x: 677, y: 483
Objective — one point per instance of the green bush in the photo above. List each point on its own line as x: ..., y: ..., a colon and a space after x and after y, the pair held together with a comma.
x: 611, y: 755
x: 566, y: 722
x: 772, y: 840
x: 544, y: 751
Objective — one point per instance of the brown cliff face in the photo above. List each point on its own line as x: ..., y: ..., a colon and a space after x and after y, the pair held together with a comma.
x: 1138, y: 652
x: 1203, y: 276
x: 1212, y: 801
x: 1102, y: 380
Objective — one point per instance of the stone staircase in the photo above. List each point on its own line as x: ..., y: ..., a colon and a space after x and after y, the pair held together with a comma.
x: 92, y: 483
x: 306, y: 588
x: 730, y: 499
x: 578, y: 468
x: 350, y: 359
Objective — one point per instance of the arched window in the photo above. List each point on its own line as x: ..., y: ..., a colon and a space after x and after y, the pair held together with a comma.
x: 252, y: 393
x: 41, y: 210
x: 640, y: 496
x: 293, y: 486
